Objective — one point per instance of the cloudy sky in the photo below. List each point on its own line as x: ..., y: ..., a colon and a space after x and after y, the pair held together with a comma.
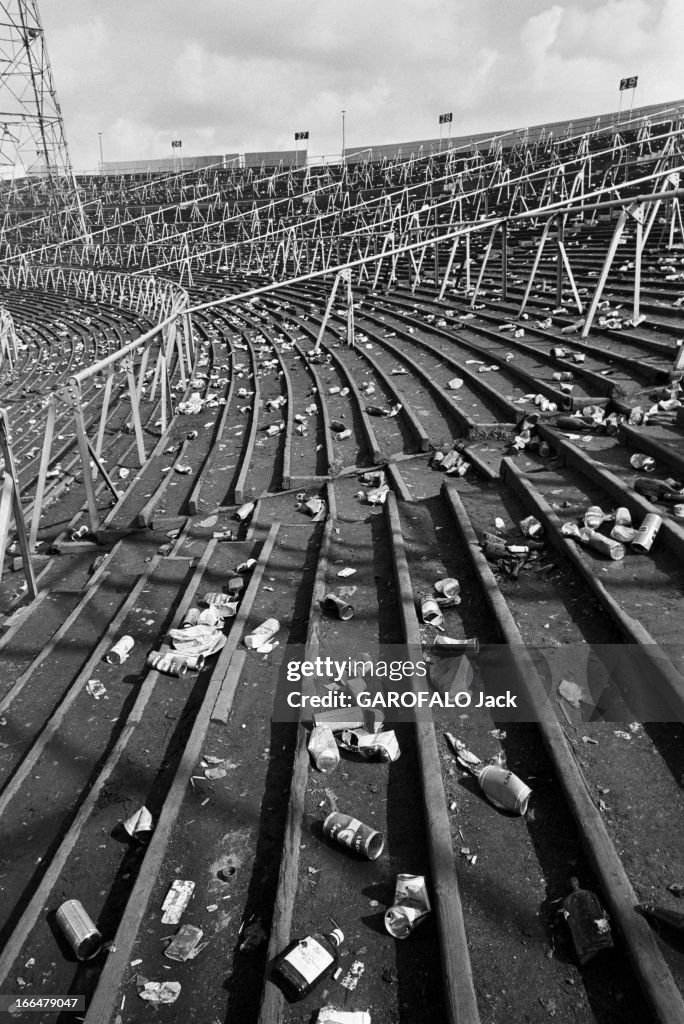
x: 242, y: 75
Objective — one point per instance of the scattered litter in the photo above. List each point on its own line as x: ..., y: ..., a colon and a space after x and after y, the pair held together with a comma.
x: 353, y: 975
x: 139, y: 822
x: 331, y: 1015
x: 185, y: 944
x: 621, y: 734
x: 177, y: 899
x: 346, y: 572
x: 96, y: 689
x: 571, y: 692
x: 677, y: 888
x: 410, y: 908
x: 159, y: 991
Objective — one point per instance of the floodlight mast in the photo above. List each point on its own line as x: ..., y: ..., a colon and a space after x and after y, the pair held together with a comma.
x: 32, y: 137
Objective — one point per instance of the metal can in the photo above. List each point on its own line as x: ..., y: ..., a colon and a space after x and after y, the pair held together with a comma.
x: 262, y: 634
x: 431, y: 613
x: 504, y: 789
x: 644, y: 462
x: 338, y: 606
x: 79, y: 930
x: 244, y: 511
x: 120, y: 651
x: 352, y: 833
x: 411, y: 906
x: 646, y: 533
x: 169, y: 664
x: 593, y: 517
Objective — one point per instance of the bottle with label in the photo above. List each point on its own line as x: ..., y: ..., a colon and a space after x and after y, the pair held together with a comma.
x: 306, y: 962
x: 587, y: 921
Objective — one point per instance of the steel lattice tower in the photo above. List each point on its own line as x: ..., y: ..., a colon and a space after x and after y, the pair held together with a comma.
x: 32, y: 138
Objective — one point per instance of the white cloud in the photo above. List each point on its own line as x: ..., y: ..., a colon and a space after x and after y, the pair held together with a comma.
x: 245, y: 74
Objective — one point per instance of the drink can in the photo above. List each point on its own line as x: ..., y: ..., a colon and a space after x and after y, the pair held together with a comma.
x: 120, y: 651
x: 607, y: 546
x: 430, y: 612
x: 504, y: 789
x: 625, y: 534
x: 352, y: 833
x: 338, y: 606
x: 169, y: 664
x: 646, y: 533
x: 411, y: 906
x: 645, y: 462
x: 78, y: 534
x: 593, y: 517
x: 79, y: 930
x: 244, y: 511
x: 343, y: 435
x: 262, y: 634
x: 544, y: 449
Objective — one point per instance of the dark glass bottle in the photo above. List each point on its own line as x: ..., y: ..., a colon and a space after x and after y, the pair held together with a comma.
x: 587, y: 922
x: 658, y: 490
x: 306, y: 962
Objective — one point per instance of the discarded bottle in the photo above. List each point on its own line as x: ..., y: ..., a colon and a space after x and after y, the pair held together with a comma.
x: 323, y: 748
x: 657, y: 490
x: 306, y: 962
x: 79, y: 930
x: 587, y: 921
x: 663, y: 915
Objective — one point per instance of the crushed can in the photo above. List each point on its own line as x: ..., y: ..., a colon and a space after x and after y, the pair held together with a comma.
x: 531, y: 527
x: 224, y: 602
x: 593, y: 517
x: 410, y: 908
x: 449, y: 591
x: 623, y: 516
x: 431, y: 613
x: 645, y: 462
x: 352, y: 833
x: 79, y: 930
x: 262, y: 634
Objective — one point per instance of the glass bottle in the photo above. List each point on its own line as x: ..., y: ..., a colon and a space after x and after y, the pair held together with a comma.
x: 306, y: 962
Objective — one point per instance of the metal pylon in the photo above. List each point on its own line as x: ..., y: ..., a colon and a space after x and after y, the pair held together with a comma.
x: 33, y: 143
